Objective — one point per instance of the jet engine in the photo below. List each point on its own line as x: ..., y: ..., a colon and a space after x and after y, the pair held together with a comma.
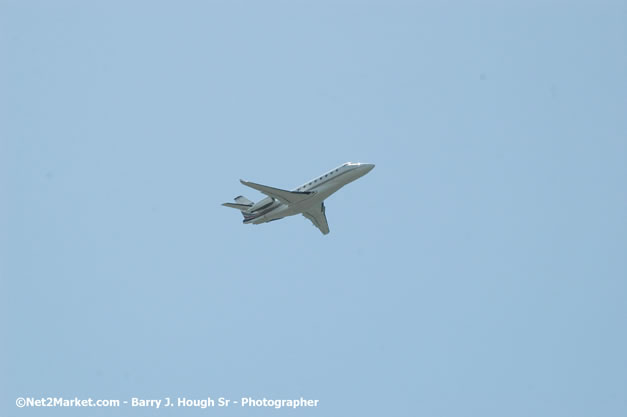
x: 263, y: 204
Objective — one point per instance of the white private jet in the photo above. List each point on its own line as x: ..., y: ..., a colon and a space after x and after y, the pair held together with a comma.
x: 308, y: 199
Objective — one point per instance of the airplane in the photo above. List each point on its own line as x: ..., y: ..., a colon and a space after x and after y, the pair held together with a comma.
x: 308, y: 199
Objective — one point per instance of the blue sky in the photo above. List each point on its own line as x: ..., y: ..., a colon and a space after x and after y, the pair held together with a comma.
x: 479, y: 269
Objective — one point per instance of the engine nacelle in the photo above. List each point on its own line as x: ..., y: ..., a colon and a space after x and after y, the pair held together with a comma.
x: 261, y: 205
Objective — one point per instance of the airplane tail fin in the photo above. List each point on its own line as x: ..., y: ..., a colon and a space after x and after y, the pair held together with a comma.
x: 243, y: 200
x: 242, y: 203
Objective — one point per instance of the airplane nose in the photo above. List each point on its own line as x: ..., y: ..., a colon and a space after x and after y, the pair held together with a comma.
x: 368, y: 167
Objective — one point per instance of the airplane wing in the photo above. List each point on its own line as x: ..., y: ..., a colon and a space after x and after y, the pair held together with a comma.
x: 284, y: 196
x: 318, y: 218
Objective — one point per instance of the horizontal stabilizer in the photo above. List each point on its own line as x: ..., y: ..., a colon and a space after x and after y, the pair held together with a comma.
x: 242, y: 207
x: 284, y: 196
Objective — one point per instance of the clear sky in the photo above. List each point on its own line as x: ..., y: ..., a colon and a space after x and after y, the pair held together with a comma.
x: 479, y: 270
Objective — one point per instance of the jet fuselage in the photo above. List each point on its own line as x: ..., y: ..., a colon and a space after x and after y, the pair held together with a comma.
x: 324, y: 186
